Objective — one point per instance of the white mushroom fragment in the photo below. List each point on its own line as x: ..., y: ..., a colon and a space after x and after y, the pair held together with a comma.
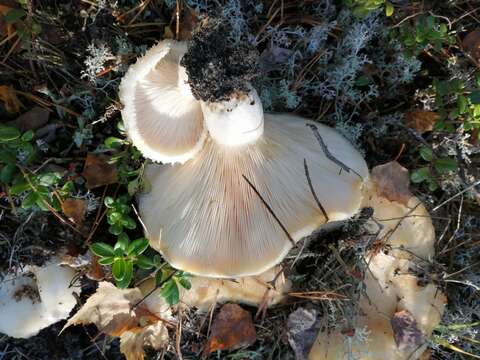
x: 35, y: 298
x: 394, y: 301
x: 266, y: 289
x: 160, y: 114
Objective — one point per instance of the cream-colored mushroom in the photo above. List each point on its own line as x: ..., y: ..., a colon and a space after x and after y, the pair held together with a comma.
x: 236, y: 207
x: 391, y: 287
x: 266, y: 289
x: 160, y: 114
x: 35, y: 298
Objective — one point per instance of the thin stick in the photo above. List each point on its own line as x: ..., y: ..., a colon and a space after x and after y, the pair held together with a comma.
x: 270, y: 211
x: 154, y: 288
x: 456, y: 195
x: 328, y: 154
x: 309, y: 180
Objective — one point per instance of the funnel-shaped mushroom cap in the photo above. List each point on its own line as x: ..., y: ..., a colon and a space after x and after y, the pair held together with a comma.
x: 35, y: 298
x: 205, y: 218
x: 160, y: 114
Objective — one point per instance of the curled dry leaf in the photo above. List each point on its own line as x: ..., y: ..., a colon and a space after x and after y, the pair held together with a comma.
x: 392, y: 181
x: 98, y: 172
x: 112, y: 311
x: 302, y: 328
x: 232, y: 329
x: 405, y: 331
x: 75, y: 210
x: 421, y: 120
x: 9, y: 99
x: 471, y: 44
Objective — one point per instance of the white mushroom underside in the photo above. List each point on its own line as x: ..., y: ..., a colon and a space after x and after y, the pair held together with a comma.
x: 205, y: 218
x: 161, y: 116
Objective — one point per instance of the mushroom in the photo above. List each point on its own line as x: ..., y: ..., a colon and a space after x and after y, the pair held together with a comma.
x: 267, y: 289
x: 160, y: 114
x: 394, y: 301
x: 238, y: 205
x: 35, y: 298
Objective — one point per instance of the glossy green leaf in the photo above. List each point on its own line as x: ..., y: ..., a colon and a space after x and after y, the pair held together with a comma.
x: 122, y: 242
x: 185, y: 283
x: 8, y: 133
x: 7, y: 173
x: 145, y: 262
x: 113, y: 142
x: 389, y: 9
x: 119, y: 269
x: 426, y: 154
x: 137, y: 246
x: 475, y: 97
x: 106, y: 261
x: 28, y: 136
x: 102, y: 250
x: 115, y: 229
x: 170, y: 292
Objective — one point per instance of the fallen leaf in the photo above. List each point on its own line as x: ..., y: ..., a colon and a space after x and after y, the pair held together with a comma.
x: 98, y: 172
x: 392, y: 181
x: 75, y: 210
x: 9, y: 99
x: 471, y: 44
x: 232, y: 329
x: 421, y: 120
x: 31, y: 120
x: 405, y: 331
x: 303, y: 325
x: 188, y: 22
x: 112, y: 311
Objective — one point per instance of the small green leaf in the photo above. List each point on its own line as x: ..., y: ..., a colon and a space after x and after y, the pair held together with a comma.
x: 129, y: 222
x: 30, y: 200
x: 115, y: 229
x: 475, y: 97
x: 27, y: 136
x: 445, y: 165
x: 8, y: 133
x: 432, y: 185
x: 109, y: 202
x: 48, y: 179
x: 185, y: 283
x: 102, y: 250
x: 170, y: 292
x: 145, y: 262
x: 137, y: 246
x: 113, y: 142
x: 119, y: 269
x: 389, y: 9
x: 362, y: 81
x: 114, y: 217
x: 106, y: 261
x: 122, y: 242
x: 14, y: 15
x: 128, y: 276
x: 426, y: 153
x: 19, y: 187
x: 157, y: 259
x: 7, y: 173
x: 133, y: 187
x: 420, y: 175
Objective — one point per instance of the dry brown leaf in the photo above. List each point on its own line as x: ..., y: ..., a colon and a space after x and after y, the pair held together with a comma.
x: 9, y: 99
x: 471, y: 44
x: 32, y: 119
x: 111, y: 310
x: 75, y: 210
x: 392, y: 181
x: 98, y: 172
x: 188, y: 21
x: 421, y: 120
x: 405, y: 331
x: 232, y: 328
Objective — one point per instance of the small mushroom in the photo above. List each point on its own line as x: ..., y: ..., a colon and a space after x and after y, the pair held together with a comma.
x: 267, y: 289
x: 391, y: 289
x: 160, y: 114
x: 35, y: 298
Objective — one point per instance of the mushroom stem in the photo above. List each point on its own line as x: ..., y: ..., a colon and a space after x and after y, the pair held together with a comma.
x: 238, y: 121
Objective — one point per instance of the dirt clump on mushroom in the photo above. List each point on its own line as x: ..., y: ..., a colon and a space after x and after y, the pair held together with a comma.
x: 216, y: 67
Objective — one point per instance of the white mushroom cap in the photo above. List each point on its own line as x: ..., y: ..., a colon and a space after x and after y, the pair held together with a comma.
x: 390, y: 286
x: 206, y: 219
x: 35, y: 298
x: 205, y: 292
x: 161, y: 116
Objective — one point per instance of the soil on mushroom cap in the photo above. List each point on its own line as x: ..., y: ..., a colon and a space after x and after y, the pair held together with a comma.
x: 216, y: 67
